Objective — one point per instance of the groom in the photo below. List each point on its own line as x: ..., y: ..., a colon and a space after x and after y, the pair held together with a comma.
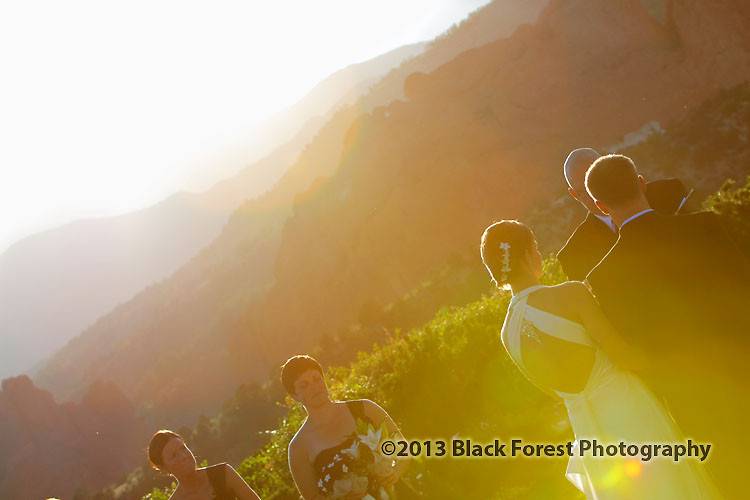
x: 593, y: 238
x: 678, y: 289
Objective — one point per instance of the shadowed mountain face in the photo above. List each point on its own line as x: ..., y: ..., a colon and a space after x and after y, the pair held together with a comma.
x: 482, y: 138
x: 56, y: 283
x: 45, y: 445
x: 495, y: 21
x: 479, y: 138
x: 705, y: 150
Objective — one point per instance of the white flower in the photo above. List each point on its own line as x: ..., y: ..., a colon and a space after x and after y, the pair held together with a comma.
x: 353, y: 450
x: 372, y: 438
x: 320, y: 483
x: 327, y: 478
x: 342, y: 487
x: 344, y: 468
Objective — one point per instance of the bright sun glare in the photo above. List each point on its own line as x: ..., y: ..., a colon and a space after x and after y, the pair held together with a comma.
x: 108, y: 107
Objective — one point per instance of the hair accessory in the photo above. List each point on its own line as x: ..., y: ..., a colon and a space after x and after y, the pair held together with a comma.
x: 505, y: 270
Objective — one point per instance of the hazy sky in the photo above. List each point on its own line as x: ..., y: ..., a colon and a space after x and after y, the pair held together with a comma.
x: 106, y: 107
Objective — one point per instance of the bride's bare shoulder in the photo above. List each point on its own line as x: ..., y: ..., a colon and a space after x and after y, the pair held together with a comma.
x: 568, y: 290
x: 574, y: 291
x: 564, y: 299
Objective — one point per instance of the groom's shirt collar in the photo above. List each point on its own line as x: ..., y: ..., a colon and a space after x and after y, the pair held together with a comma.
x: 607, y: 220
x: 635, y: 216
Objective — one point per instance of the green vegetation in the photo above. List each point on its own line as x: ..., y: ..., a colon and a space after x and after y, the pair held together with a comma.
x: 732, y: 202
x: 449, y: 377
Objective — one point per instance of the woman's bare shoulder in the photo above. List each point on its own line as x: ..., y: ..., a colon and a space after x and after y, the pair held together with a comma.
x: 298, y: 443
x: 565, y: 299
x: 575, y: 293
x: 568, y: 290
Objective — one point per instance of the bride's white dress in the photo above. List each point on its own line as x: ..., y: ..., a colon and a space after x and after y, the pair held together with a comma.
x: 614, y: 406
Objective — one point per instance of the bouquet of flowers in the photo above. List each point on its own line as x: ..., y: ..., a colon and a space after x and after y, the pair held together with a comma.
x: 359, y: 467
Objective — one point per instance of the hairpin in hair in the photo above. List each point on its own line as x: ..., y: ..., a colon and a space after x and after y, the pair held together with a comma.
x: 505, y: 270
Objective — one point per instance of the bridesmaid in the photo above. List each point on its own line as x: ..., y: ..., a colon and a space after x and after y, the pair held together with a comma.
x: 330, y: 427
x: 168, y: 453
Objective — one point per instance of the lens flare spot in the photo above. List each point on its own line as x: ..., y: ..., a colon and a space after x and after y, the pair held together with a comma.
x: 613, y: 477
x: 633, y: 468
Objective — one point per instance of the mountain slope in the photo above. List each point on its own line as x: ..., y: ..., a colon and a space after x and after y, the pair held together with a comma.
x: 482, y: 138
x: 711, y: 141
x: 47, y: 449
x: 219, y: 285
x: 497, y: 20
x: 413, y: 185
x: 56, y: 283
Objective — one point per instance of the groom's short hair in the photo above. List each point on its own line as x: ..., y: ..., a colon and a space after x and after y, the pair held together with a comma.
x: 612, y: 179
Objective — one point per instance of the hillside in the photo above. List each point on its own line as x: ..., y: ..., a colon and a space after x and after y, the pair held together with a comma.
x: 480, y: 137
x: 483, y: 137
x: 447, y: 378
x: 497, y: 20
x: 44, y: 444
x: 56, y: 283
x: 201, y: 312
x: 707, y: 148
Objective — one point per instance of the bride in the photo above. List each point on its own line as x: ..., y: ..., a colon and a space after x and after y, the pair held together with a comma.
x: 562, y: 342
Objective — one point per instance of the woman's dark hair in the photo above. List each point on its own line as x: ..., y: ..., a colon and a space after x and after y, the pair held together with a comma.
x: 296, y: 366
x: 503, y: 248
x: 156, y: 446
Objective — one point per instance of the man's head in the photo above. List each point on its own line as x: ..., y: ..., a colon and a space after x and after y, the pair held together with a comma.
x: 575, y: 167
x: 615, y: 185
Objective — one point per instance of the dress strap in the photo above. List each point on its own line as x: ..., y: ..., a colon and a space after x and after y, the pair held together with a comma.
x: 217, y: 478
x: 513, y: 323
x: 357, y: 409
x: 510, y: 333
x: 557, y: 326
x: 524, y: 293
x: 521, y: 316
x: 551, y: 324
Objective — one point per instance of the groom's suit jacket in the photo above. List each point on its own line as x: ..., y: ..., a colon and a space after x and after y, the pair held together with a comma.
x: 668, y: 277
x: 593, y: 238
x: 588, y: 244
x: 678, y: 289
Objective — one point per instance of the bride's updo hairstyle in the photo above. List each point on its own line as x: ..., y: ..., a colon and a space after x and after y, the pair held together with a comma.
x: 504, y: 246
